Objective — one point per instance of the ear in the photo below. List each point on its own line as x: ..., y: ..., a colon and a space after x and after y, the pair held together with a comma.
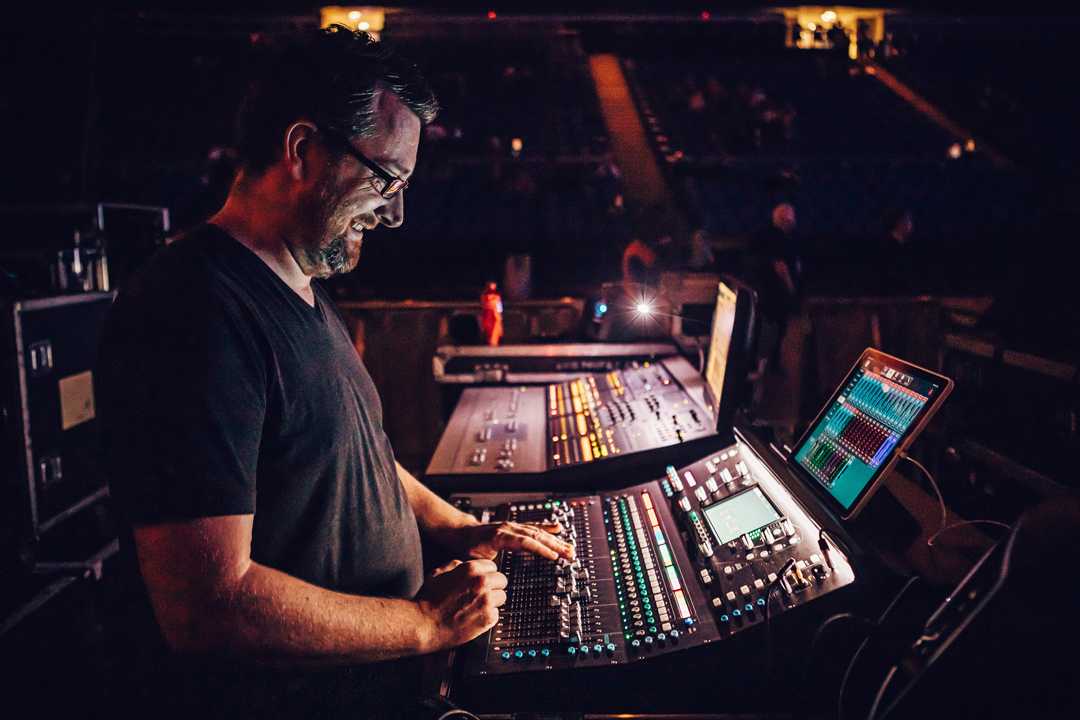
x: 297, y: 152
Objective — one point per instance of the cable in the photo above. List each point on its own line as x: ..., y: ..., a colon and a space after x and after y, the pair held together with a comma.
x: 773, y: 587
x: 811, y: 652
x: 933, y: 484
x: 880, y: 695
x: 945, y: 526
x: 862, y: 646
x: 932, y: 538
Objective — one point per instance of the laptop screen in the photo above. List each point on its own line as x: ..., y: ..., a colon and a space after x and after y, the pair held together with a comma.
x: 718, y: 363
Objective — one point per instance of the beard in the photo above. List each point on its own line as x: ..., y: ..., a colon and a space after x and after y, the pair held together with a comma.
x: 327, y: 244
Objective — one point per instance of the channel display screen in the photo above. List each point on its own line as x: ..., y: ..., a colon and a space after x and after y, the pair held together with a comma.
x: 720, y: 342
x: 737, y: 515
x: 857, y: 434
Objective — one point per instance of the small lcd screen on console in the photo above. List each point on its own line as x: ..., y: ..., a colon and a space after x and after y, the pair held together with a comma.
x: 857, y: 434
x: 737, y: 515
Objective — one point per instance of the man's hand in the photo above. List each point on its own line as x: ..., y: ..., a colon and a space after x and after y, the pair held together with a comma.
x: 486, y: 540
x: 461, y: 602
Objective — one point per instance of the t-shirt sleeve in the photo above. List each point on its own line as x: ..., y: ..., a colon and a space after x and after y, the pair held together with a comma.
x: 183, y: 387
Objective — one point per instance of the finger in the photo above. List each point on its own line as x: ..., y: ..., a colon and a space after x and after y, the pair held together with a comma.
x: 480, y: 567
x: 538, y: 548
x: 553, y: 528
x: 445, y: 568
x: 497, y: 598
x: 541, y: 533
x: 496, y: 581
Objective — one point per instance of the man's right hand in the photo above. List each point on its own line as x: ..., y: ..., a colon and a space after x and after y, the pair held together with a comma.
x: 462, y: 602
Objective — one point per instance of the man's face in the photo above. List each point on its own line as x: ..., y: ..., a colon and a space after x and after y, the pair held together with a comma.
x: 340, y: 204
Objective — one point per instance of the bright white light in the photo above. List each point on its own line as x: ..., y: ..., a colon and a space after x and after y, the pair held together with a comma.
x: 516, y: 145
x: 955, y: 151
x: 355, y: 15
x: 811, y: 26
x: 644, y: 308
x: 828, y: 16
x: 363, y: 26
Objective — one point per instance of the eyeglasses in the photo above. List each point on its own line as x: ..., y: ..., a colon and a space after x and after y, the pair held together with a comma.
x: 385, y: 182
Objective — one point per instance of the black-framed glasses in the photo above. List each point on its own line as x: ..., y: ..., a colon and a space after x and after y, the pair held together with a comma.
x: 385, y: 182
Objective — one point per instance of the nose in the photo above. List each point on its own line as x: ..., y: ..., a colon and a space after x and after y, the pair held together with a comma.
x: 392, y: 212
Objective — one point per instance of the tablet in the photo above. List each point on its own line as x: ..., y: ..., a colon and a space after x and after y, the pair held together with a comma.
x: 873, y: 416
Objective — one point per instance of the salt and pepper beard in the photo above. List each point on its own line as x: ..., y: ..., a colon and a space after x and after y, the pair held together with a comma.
x: 316, y: 216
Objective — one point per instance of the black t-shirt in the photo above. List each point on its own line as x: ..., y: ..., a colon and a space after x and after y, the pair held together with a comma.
x: 222, y: 392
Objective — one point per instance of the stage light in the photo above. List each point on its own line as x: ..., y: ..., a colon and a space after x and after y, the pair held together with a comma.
x: 970, y: 145
x: 705, y: 14
x: 355, y: 15
x: 363, y: 26
x: 644, y: 308
x: 491, y: 15
x: 516, y: 145
x: 828, y: 16
x: 955, y: 151
x: 811, y: 26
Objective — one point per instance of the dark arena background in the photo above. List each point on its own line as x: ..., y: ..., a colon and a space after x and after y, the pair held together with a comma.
x: 890, y: 188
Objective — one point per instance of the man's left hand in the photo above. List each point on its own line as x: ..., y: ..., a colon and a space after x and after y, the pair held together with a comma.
x: 486, y: 540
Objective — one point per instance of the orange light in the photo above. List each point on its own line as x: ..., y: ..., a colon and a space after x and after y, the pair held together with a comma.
x: 491, y: 15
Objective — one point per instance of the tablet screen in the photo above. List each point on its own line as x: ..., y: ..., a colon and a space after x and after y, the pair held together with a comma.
x: 880, y: 402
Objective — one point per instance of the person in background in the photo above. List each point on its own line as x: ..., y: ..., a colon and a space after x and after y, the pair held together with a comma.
x: 777, y: 270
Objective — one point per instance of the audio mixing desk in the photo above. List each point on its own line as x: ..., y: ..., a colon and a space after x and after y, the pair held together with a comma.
x: 575, y: 433
x: 664, y: 571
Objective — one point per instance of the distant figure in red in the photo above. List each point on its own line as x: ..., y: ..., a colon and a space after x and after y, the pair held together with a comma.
x: 491, y: 309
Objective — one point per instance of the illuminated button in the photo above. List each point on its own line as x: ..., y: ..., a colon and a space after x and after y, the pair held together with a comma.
x: 673, y: 578
x: 749, y: 608
x: 653, y: 520
x: 610, y: 649
x: 689, y: 477
x: 706, y: 576
x: 532, y: 653
x: 772, y: 577
x: 505, y: 655
x: 519, y: 654
x: 725, y: 619
x: 761, y: 602
x: 674, y: 635
x: 725, y: 475
x: 684, y: 503
x: 571, y: 650
x: 646, y: 500
x: 730, y: 596
x: 680, y: 604
x: 665, y: 555
x: 744, y: 589
x: 759, y: 584
x: 711, y: 485
x: 728, y: 571
x: 701, y: 494
x: 666, y: 627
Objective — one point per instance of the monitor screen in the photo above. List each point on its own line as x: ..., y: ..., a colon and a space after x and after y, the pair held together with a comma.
x: 736, y: 515
x: 723, y: 327
x: 871, y: 415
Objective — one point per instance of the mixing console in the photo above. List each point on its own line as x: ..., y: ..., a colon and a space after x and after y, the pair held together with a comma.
x: 682, y: 561
x: 525, y: 431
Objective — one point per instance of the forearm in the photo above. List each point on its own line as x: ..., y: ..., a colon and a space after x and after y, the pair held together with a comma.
x: 270, y: 616
x: 434, y: 515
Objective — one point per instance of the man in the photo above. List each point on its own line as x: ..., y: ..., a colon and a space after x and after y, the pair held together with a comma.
x: 265, y: 522
x: 777, y: 271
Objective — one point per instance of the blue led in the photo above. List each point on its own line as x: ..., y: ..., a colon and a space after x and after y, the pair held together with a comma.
x: 584, y: 650
x: 611, y: 647
x: 724, y: 618
x: 545, y: 652
x: 761, y: 602
x: 736, y: 613
x: 571, y: 650
x: 749, y: 608
x: 532, y: 653
x: 688, y: 622
x: 519, y: 654
x: 505, y: 655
